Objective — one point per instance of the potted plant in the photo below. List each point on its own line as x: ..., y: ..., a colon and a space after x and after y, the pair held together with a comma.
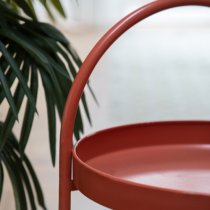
x: 32, y: 54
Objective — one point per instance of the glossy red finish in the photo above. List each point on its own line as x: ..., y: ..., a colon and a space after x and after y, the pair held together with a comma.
x: 98, y: 183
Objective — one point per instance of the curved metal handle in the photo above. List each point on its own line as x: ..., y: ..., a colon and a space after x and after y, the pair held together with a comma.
x: 65, y: 183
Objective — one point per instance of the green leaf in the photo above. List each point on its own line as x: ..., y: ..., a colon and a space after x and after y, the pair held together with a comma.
x: 59, y: 7
x: 35, y: 180
x: 10, y: 119
x: 1, y: 179
x: 3, y: 62
x: 11, y: 78
x: 30, y: 4
x: 78, y: 125
x: 31, y: 173
x: 49, y: 11
x: 53, y: 47
x: 83, y: 98
x: 26, y: 43
x: 58, y: 94
x: 54, y: 60
x: 17, y: 71
x: 74, y: 55
x: 8, y: 93
x: 49, y: 96
x: 23, y: 174
x: 93, y: 94
x: 57, y: 67
x: 13, y: 5
x: 42, y: 62
x: 11, y: 13
x: 27, y: 9
x: 78, y: 61
x: 10, y: 75
x: 29, y: 112
x: 18, y: 190
x: 51, y: 126
x: 52, y: 32
x: 49, y: 50
x: 84, y: 103
x: 65, y: 85
x: 31, y: 43
x: 43, y: 1
x: 27, y: 185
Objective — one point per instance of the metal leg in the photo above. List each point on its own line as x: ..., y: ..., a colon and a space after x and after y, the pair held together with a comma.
x: 65, y: 184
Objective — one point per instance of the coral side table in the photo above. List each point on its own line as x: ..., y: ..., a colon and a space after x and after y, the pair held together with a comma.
x: 147, y: 166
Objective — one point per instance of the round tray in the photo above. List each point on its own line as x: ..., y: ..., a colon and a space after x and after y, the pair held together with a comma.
x: 153, y: 166
x: 163, y: 165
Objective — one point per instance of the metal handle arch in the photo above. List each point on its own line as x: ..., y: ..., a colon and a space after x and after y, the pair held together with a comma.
x: 67, y: 125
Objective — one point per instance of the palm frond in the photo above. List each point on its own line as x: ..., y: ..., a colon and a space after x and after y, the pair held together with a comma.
x: 10, y: 118
x: 28, y: 49
x: 1, y: 180
x: 29, y: 111
x: 27, y: 7
x: 26, y: 187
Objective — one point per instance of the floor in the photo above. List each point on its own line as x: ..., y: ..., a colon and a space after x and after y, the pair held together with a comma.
x: 150, y: 74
